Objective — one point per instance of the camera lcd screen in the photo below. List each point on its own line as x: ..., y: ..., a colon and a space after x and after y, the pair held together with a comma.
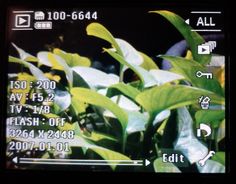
x: 117, y: 89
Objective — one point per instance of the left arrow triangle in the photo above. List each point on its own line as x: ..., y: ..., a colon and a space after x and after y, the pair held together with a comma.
x: 15, y: 160
x: 187, y: 21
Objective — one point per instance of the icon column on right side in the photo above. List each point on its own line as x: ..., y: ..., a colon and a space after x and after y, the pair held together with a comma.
x: 206, y: 48
x: 204, y: 102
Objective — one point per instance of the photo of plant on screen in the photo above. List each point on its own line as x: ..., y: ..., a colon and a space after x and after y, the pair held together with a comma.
x: 163, y: 117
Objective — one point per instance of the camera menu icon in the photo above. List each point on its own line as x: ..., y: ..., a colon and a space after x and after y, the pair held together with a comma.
x: 207, y: 47
x: 22, y: 20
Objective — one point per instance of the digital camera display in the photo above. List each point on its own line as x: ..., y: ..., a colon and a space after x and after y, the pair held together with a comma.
x: 116, y: 89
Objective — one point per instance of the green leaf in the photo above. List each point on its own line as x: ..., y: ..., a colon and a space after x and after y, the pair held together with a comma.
x: 96, y: 136
x: 94, y: 98
x: 98, y: 30
x: 137, y: 122
x: 124, y: 89
x: 78, y: 81
x: 192, y: 37
x: 33, y: 69
x: 219, y: 157
x: 162, y: 76
x: 125, y: 103
x: 146, y: 78
x: 189, y: 68
x: 24, y: 55
x: 78, y: 106
x: 168, y: 96
x: 161, y: 167
x: 161, y: 117
x: 56, y: 62
x: 62, y: 98
x: 49, y: 59
x: 130, y: 54
x: 214, y: 117
x: 96, y: 78
x: 72, y: 59
x: 148, y: 63
x: 221, y: 131
x: 186, y: 141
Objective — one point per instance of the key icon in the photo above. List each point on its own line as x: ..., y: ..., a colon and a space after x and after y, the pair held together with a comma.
x: 201, y: 74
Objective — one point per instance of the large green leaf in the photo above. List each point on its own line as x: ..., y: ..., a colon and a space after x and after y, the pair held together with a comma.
x: 124, y: 89
x: 96, y: 78
x: 192, y: 37
x: 161, y: 167
x: 94, y: 98
x: 130, y: 54
x: 98, y: 30
x: 72, y: 59
x: 162, y: 76
x: 214, y: 117
x: 137, y: 122
x: 186, y: 141
x: 125, y: 103
x: 146, y: 78
x: 168, y: 96
x: 130, y: 121
x: 189, y: 68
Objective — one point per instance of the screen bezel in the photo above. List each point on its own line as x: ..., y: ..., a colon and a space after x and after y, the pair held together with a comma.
x: 199, y: 4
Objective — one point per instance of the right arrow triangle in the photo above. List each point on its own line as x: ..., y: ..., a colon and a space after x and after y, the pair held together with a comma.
x: 21, y: 20
x: 147, y: 162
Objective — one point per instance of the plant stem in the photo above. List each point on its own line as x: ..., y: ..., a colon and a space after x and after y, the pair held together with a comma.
x: 120, y: 80
x: 124, y: 137
x: 147, y: 140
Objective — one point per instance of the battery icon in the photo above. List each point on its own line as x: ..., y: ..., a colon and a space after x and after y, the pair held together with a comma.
x: 43, y: 25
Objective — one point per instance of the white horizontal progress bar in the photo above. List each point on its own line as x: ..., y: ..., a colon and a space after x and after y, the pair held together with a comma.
x: 74, y: 163
x: 207, y: 12
x: 80, y: 162
x: 76, y: 160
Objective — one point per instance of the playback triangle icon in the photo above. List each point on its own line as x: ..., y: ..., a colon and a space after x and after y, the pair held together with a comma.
x: 203, y: 49
x: 22, y: 20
